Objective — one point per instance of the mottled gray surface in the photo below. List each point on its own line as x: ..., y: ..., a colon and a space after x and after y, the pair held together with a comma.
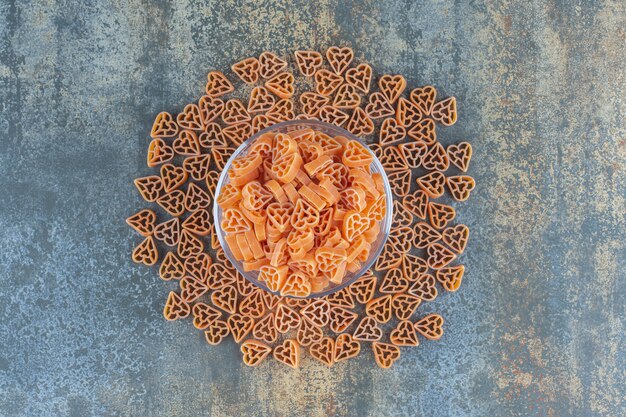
x: 538, y: 326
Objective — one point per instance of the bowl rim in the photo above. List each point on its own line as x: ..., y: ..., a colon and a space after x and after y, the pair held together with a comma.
x: 386, y: 222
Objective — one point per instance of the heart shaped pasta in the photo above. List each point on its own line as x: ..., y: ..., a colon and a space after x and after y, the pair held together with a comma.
x: 279, y: 215
x: 303, y: 209
x: 436, y: 159
x: 360, y: 123
x: 210, y: 109
x: 288, y: 353
x: 188, y: 244
x: 172, y: 177
x: 346, y: 347
x: 286, y: 168
x: 233, y: 221
x: 149, y: 187
x: 339, y: 58
x: 235, y: 112
x: 394, y: 282
x: 281, y: 85
x: 244, y: 287
x: 356, y: 155
x: 432, y: 184
x: 308, y: 62
x: 217, y: 84
x: 175, y: 308
x: 191, y: 289
x: 417, y: 203
x: 143, y: 222
x: 216, y: 332
x: 271, y: 300
x: 225, y: 298
x: 392, y: 160
x: 413, y: 267
x: 239, y: 326
x: 247, y: 70
x: 431, y: 326
x: 187, y: 143
x: 389, y: 258
x: 317, y: 312
x: 363, y: 288
x: 346, y: 97
x: 456, y: 237
x: 425, y: 235
x: 413, y: 153
x: 164, y: 126
x: 220, y: 275
x: 341, y: 319
x: 304, y: 216
x: 261, y: 100
x: 423, y: 131
x: 274, y: 276
x: 297, y: 284
x: 404, y: 305
x: 379, y: 308
x: 439, y: 256
x: 159, y: 152
x: 171, y: 267
x: 451, y: 277
x: 392, y: 86
x: 199, y: 222
x: 385, y: 354
x: 221, y: 155
x: 333, y: 115
x: 445, y: 111
x: 424, y: 98
x: 407, y: 113
x: 329, y: 258
x: 253, y: 305
x: 212, y: 137
x: 313, y: 102
x: 460, y: 186
x: 391, y: 132
x: 264, y: 329
x: 400, y: 182
x: 378, y: 106
x: 146, y: 252
x: 309, y: 333
x: 190, y: 118
x: 286, y: 319
x: 360, y: 77
x: 404, y: 334
x: 327, y: 82
x: 368, y: 330
x: 262, y: 121
x: 324, y: 351
x: 204, y: 315
x: 197, y: 167
x: 341, y: 298
x: 460, y: 155
x: 270, y: 65
x: 168, y: 232
x: 282, y: 110
x: 254, y: 352
x: 440, y: 214
x: 196, y: 198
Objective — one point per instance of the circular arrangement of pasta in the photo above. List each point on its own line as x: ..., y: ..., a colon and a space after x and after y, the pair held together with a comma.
x: 302, y: 209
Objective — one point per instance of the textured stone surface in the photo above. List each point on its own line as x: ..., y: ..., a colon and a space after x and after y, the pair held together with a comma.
x: 538, y: 327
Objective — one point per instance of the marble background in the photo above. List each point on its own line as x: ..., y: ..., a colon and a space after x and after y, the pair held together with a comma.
x: 538, y: 326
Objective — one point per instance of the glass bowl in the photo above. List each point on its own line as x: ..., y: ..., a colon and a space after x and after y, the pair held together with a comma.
x: 333, y: 131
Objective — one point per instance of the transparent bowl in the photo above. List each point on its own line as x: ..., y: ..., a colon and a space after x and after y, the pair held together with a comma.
x: 333, y: 131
